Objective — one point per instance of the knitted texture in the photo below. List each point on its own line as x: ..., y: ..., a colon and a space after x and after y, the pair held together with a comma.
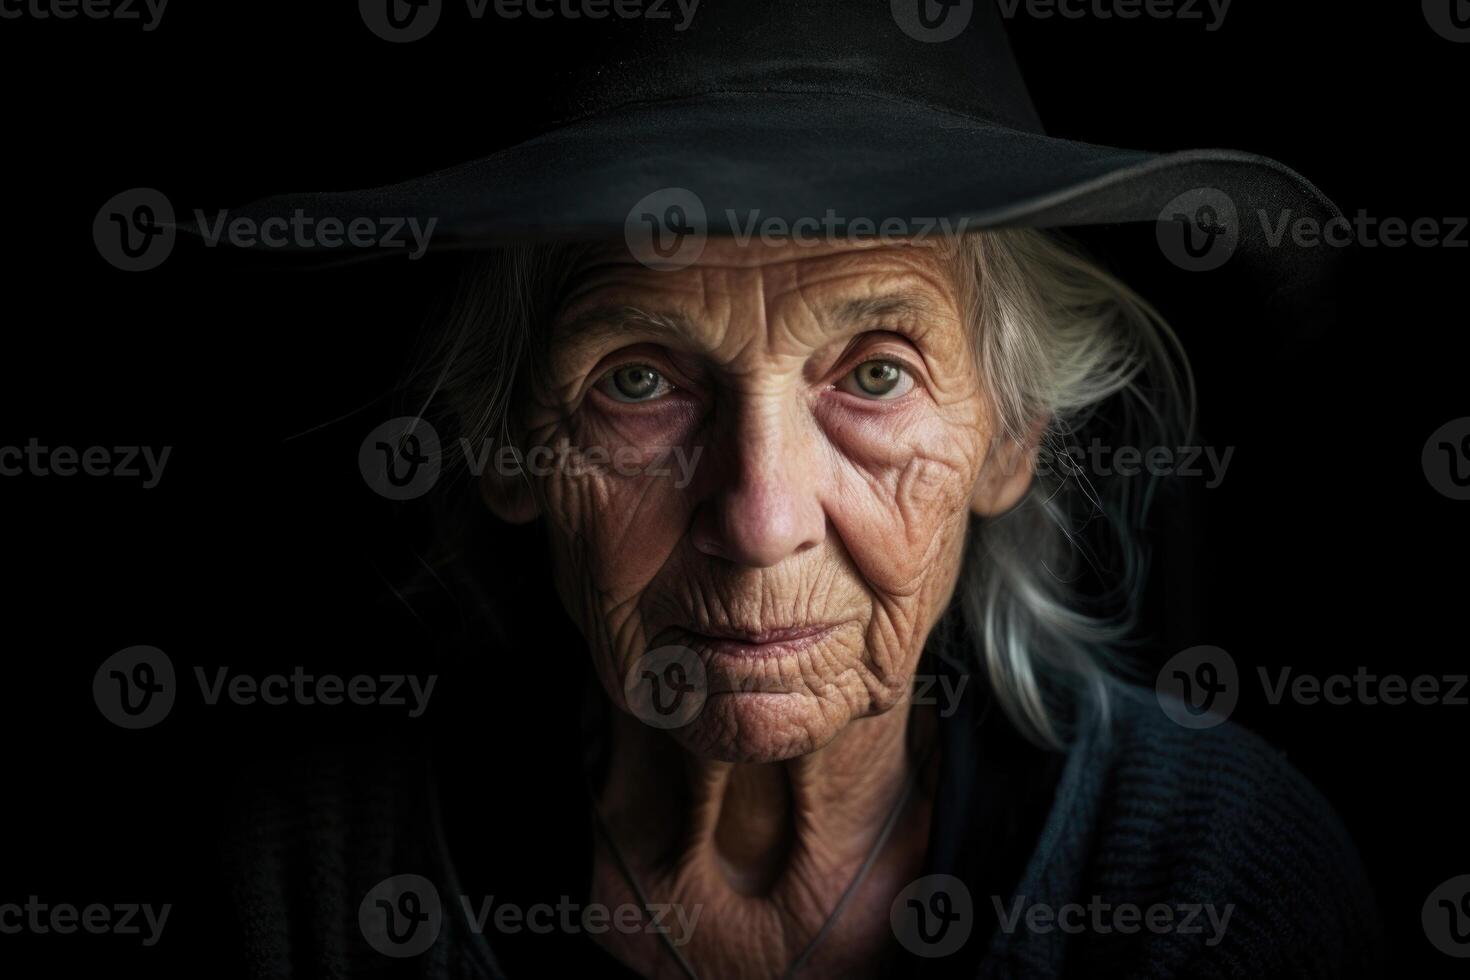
x: 1201, y: 821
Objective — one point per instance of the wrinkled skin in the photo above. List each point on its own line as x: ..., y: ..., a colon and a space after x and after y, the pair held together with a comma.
x: 821, y: 500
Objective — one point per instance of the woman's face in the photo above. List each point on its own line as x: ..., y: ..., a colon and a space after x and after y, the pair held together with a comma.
x: 761, y: 468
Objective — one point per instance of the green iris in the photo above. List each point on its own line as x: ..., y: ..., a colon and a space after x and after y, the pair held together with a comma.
x: 878, y: 377
x: 636, y: 382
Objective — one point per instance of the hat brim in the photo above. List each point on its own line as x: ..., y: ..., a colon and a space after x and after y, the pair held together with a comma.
x: 830, y: 160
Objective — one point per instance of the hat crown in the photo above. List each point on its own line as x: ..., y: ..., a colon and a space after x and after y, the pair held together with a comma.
x: 949, y: 54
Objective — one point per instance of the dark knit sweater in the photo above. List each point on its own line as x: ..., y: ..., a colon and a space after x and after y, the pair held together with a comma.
x: 1056, y: 850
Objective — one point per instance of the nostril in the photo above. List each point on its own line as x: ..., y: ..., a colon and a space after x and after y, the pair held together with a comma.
x: 761, y: 524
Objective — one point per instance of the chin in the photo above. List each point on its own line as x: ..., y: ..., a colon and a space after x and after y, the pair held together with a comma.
x: 763, y: 727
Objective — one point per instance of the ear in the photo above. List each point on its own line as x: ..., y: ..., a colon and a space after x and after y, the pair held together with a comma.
x: 1006, y: 474
x: 506, y: 489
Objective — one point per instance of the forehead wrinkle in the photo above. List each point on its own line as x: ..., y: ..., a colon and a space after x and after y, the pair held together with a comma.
x: 709, y: 318
x: 922, y: 283
x: 885, y: 299
x: 884, y: 306
x: 730, y: 295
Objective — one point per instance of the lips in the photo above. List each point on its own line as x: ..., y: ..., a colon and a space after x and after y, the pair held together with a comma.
x: 747, y: 643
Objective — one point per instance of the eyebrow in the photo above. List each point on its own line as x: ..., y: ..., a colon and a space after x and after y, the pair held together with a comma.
x: 886, y: 307
x: 593, y: 325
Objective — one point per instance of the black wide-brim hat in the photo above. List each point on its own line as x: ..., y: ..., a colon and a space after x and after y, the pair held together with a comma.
x: 822, y: 117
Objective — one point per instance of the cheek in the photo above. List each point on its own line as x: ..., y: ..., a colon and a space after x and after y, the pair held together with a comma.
x: 901, y: 499
x: 616, y: 506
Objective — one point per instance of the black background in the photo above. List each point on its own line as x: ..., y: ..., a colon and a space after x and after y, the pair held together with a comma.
x: 1324, y: 548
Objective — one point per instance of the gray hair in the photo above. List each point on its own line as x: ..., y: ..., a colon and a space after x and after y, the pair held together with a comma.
x: 1060, y: 343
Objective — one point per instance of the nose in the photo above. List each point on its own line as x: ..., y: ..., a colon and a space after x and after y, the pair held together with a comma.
x: 765, y: 504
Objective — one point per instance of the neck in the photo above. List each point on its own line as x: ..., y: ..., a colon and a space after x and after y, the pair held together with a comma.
x: 767, y: 850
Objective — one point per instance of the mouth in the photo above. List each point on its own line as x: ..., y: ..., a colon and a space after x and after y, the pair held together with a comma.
x: 757, y: 644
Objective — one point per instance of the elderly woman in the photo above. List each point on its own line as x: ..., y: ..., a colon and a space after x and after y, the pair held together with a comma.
x: 806, y: 504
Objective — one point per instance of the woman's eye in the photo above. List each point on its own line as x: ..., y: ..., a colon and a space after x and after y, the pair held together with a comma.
x: 634, y: 383
x: 878, y: 379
